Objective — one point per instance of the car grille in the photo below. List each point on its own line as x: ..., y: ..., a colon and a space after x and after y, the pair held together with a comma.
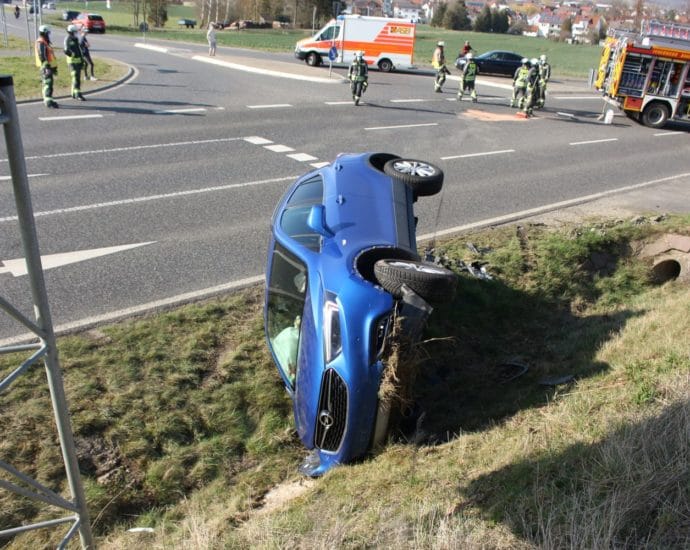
x: 332, y: 416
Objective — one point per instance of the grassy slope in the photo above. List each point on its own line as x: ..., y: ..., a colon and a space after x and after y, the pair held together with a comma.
x: 182, y: 423
x: 566, y: 60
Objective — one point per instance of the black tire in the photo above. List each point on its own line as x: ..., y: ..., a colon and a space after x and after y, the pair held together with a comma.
x: 385, y: 65
x: 313, y: 59
x: 655, y: 114
x: 432, y: 282
x: 423, y: 178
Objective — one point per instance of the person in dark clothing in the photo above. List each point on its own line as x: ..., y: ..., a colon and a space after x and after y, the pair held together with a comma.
x: 532, y: 87
x: 358, y: 74
x: 45, y: 60
x: 86, y: 54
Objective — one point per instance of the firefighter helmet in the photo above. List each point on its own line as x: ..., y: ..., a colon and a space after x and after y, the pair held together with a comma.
x: 72, y: 28
x: 44, y: 29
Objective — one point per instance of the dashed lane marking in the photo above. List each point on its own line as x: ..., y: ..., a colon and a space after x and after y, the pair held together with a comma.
x: 319, y: 164
x: 409, y: 100
x: 592, y: 141
x: 663, y: 134
x: 486, y: 153
x: 6, y: 178
x: 256, y: 140
x: 575, y: 97
x: 302, y: 157
x: 68, y: 117
x: 402, y: 126
x: 278, y: 148
x: 175, y: 111
x: 274, y: 106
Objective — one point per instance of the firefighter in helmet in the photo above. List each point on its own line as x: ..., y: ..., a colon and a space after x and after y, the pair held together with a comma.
x: 358, y: 74
x: 532, y: 87
x: 438, y: 61
x: 520, y: 84
x: 544, y: 76
x: 75, y: 60
x: 45, y: 60
x: 469, y: 74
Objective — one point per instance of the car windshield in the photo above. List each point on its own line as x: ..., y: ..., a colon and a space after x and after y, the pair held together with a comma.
x: 287, y: 289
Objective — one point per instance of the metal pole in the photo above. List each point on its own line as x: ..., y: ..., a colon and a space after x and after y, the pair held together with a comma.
x: 15, y: 154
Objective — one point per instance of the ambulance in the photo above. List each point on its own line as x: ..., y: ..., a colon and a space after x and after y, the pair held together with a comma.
x: 386, y: 43
x: 647, y: 73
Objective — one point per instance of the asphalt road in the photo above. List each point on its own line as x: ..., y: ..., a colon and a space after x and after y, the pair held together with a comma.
x: 180, y: 168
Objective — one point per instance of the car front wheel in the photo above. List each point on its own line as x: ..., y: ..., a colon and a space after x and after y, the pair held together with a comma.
x: 423, y: 178
x: 432, y: 282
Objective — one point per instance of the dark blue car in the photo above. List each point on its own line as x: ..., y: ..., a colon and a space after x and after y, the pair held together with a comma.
x: 342, y: 269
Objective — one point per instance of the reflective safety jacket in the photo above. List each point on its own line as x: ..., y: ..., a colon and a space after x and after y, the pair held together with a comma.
x: 44, y: 52
x: 439, y: 58
x: 358, y: 71
x: 544, y: 72
x: 72, y: 50
x: 469, y: 71
x: 520, y: 78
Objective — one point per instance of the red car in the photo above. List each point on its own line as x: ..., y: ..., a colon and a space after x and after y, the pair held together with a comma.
x: 92, y: 21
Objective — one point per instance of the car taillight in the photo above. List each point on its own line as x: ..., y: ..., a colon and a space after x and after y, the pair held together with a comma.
x: 332, y: 337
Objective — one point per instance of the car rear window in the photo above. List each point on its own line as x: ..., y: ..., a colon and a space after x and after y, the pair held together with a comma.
x: 95, y: 18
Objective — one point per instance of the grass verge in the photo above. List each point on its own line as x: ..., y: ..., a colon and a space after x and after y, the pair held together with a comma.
x: 182, y: 424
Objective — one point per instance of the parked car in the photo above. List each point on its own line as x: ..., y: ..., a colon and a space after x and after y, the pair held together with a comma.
x: 188, y: 23
x: 494, y: 62
x: 92, y: 21
x: 69, y: 15
x: 343, y: 269
x: 49, y: 6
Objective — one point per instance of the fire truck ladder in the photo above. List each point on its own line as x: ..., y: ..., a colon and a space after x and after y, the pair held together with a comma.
x: 43, y: 349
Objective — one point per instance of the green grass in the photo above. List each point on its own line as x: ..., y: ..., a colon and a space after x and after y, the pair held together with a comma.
x: 182, y: 423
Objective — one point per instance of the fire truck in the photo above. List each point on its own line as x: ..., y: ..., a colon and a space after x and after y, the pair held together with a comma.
x: 647, y: 73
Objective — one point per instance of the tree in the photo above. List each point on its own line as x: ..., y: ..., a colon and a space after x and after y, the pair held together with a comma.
x: 483, y: 21
x: 456, y: 18
x: 439, y: 14
x: 499, y: 21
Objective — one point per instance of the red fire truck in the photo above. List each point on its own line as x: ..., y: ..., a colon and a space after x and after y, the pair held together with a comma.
x: 647, y: 73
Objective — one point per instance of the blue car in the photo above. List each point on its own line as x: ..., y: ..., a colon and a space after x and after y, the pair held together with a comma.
x: 342, y: 270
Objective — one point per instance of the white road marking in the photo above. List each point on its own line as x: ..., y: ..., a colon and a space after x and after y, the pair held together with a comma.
x: 302, y: 157
x: 149, y: 198
x: 274, y: 106
x: 662, y: 134
x: 592, y: 141
x: 569, y: 115
x: 132, y: 148
x: 402, y: 126
x: 17, y: 267
x: 256, y: 140
x: 265, y: 72
x: 68, y: 117
x: 6, y: 178
x: 319, y: 164
x: 278, y: 148
x: 338, y: 102
x: 575, y: 97
x: 408, y: 100
x: 547, y: 208
x: 479, y: 154
x: 174, y: 111
x: 151, y: 47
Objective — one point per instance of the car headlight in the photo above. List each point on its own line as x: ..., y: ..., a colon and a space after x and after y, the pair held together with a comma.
x: 332, y: 337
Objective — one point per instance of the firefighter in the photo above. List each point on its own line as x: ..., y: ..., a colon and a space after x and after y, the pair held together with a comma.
x: 75, y: 60
x: 45, y: 60
x: 544, y: 76
x: 358, y: 74
x: 469, y: 73
x: 438, y: 61
x: 532, y: 87
x: 520, y: 84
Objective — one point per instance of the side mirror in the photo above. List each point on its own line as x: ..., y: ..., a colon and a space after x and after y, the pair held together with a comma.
x: 317, y: 220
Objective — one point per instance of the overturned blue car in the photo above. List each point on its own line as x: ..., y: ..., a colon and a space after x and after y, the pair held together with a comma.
x: 343, y: 280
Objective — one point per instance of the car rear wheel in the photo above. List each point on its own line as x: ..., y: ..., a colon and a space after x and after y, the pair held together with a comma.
x: 423, y: 178
x: 655, y: 115
x: 385, y: 66
x: 432, y: 282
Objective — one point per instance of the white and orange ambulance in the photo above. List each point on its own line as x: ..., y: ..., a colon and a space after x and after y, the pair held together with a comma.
x: 386, y: 43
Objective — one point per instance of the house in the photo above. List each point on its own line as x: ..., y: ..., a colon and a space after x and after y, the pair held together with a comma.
x: 409, y: 11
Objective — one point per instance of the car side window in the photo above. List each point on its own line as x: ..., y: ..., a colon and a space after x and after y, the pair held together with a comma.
x: 286, y: 296
x: 294, y: 218
x: 330, y: 33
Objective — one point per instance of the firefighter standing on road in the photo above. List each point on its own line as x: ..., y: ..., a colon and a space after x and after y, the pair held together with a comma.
x: 358, y: 74
x: 438, y: 61
x: 520, y: 84
x: 469, y: 74
x: 45, y: 60
x: 532, y: 87
x: 544, y: 76
x: 75, y: 60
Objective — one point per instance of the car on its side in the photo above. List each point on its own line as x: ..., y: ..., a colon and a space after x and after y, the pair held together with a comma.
x: 343, y: 270
x: 91, y: 21
x: 494, y: 62
x: 70, y: 15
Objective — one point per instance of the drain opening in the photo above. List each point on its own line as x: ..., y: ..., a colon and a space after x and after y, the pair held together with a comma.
x: 665, y: 271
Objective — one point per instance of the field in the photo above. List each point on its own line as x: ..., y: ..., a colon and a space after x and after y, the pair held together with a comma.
x: 566, y: 60
x: 182, y: 424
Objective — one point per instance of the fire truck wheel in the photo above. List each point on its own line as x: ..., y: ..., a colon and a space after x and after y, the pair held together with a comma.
x: 655, y: 114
